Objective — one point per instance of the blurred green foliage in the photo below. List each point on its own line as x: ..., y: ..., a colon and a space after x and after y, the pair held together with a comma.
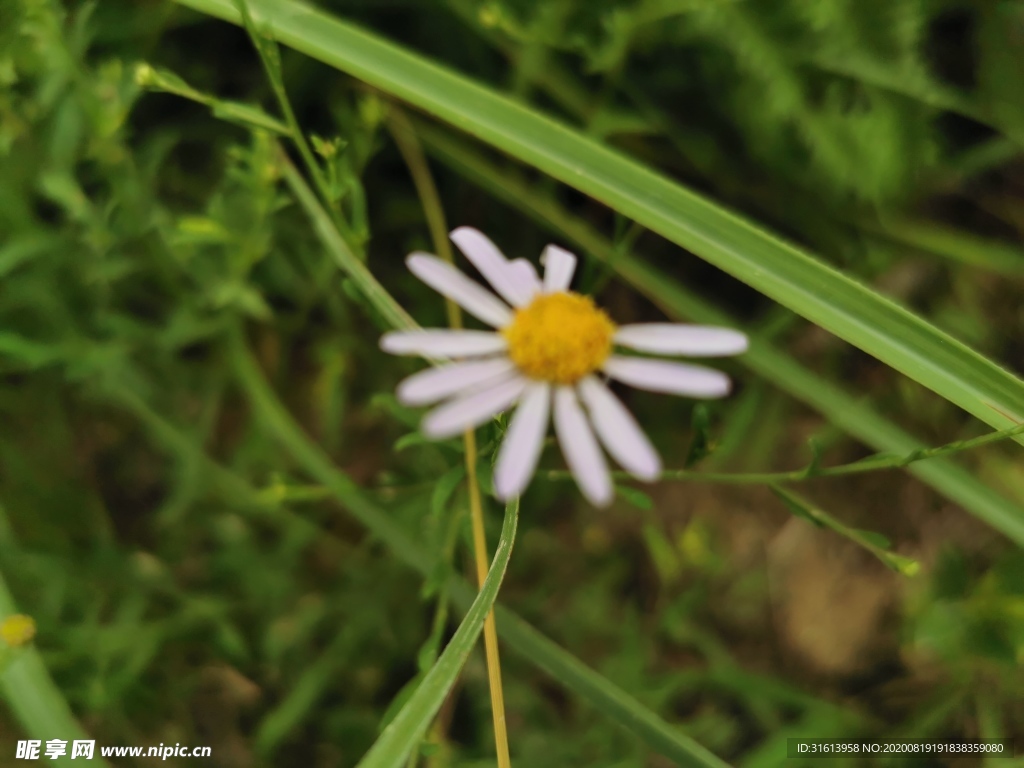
x: 143, y: 221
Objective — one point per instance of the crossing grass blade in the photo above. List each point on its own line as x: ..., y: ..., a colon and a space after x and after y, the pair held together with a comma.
x: 403, y: 734
x: 522, y: 638
x: 604, y: 695
x: 795, y: 279
x: 853, y: 416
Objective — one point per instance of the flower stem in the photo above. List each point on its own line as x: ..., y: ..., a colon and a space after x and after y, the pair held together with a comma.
x: 490, y: 627
x: 409, y: 146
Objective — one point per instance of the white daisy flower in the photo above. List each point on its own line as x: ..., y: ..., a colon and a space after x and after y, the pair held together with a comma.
x: 547, y: 355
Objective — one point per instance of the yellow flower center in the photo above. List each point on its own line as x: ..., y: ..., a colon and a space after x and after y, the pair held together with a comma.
x: 17, y: 630
x: 559, y: 337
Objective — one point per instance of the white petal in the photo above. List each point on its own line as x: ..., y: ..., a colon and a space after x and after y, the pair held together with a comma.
x: 618, y: 430
x: 521, y: 449
x: 525, y: 274
x: 492, y: 264
x: 472, y: 410
x: 666, y: 376
x: 436, y: 384
x: 471, y: 296
x: 679, y: 339
x: 580, y: 448
x: 442, y: 343
x: 559, y: 267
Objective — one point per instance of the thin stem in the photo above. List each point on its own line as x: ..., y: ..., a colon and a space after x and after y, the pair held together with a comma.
x: 409, y: 146
x: 490, y: 626
x: 266, y: 48
x: 404, y: 133
x: 869, y: 464
x: 373, y: 291
x: 874, y: 543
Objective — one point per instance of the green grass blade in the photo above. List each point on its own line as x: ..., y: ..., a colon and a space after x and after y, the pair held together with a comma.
x: 34, y: 698
x: 604, y: 695
x: 390, y: 311
x: 793, y: 278
x: 403, y: 733
x: 316, y: 462
x: 953, y: 244
x: 853, y: 416
x: 565, y: 668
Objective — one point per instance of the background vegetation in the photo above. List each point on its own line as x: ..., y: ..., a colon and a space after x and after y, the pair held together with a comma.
x: 229, y: 532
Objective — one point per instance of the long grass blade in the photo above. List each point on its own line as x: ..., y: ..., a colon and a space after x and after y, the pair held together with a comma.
x: 403, y: 733
x: 853, y: 416
x: 526, y: 641
x: 790, y: 276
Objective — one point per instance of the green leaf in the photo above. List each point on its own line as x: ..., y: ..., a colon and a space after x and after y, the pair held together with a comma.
x: 795, y: 279
x: 816, y: 456
x: 410, y: 440
x: 873, y: 542
x: 442, y: 522
x: 162, y: 80
x: 797, y: 508
x: 634, y: 496
x: 404, y: 733
x: 874, y: 538
x: 700, y: 446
